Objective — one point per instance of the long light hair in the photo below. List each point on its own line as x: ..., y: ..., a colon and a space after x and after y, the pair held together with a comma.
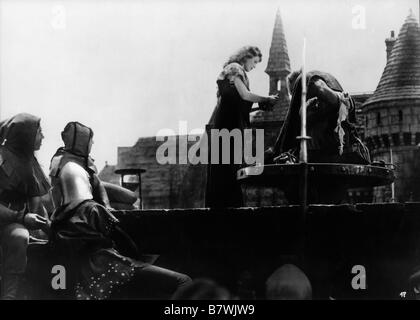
x: 244, y: 53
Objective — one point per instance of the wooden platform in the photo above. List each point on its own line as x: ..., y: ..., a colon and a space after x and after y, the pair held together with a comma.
x: 384, y: 238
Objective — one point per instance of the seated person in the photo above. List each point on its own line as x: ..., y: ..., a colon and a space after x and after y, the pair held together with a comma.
x: 331, y: 122
x: 22, y: 183
x: 331, y: 118
x: 81, y: 232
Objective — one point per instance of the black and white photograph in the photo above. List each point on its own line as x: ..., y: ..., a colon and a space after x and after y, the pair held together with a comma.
x: 220, y: 151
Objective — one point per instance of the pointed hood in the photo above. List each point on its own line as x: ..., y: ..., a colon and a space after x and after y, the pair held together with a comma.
x: 21, y: 176
x: 291, y: 127
x: 18, y: 133
x: 77, y: 138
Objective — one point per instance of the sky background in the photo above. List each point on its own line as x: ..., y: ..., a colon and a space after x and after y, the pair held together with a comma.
x: 129, y: 68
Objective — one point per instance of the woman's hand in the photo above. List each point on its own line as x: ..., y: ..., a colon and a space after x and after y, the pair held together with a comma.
x: 272, y: 100
x: 312, y: 103
x: 246, y: 95
x: 269, y: 102
x: 311, y: 107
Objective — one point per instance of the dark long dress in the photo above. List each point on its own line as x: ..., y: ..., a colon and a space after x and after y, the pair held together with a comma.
x: 232, y: 112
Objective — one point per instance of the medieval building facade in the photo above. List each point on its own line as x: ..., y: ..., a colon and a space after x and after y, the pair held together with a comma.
x: 392, y: 114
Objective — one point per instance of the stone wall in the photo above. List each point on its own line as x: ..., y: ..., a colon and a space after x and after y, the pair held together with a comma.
x: 165, y: 185
x: 395, y: 125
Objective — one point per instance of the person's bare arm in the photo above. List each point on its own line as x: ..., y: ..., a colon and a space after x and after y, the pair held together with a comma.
x: 321, y: 93
x: 7, y: 215
x: 38, y: 218
x: 311, y: 108
x: 36, y: 206
x: 29, y: 220
x: 325, y: 93
x: 249, y: 96
x: 100, y: 194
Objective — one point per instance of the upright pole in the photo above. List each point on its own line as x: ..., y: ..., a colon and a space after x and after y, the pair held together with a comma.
x: 303, y: 161
x: 392, y: 184
x: 303, y: 155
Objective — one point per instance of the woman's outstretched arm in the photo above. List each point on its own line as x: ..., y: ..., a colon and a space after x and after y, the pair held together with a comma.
x: 249, y: 96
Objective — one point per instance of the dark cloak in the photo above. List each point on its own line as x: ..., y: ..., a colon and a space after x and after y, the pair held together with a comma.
x: 286, y: 140
x: 21, y: 176
x: 81, y: 240
x: 324, y: 145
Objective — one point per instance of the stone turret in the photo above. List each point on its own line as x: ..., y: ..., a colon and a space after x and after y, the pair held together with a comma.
x: 393, y: 113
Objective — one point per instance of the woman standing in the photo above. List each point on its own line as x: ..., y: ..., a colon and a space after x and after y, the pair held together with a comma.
x: 234, y: 104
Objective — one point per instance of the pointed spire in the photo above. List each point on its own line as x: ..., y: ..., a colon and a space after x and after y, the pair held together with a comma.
x: 411, y: 16
x: 278, y: 61
x: 278, y: 68
x: 401, y: 76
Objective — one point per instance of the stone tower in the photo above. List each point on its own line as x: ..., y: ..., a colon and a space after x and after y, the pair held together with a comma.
x: 393, y: 113
x: 278, y: 68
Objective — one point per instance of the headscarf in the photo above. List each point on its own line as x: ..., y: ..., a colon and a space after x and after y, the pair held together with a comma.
x: 76, y: 138
x: 20, y: 172
x: 18, y: 134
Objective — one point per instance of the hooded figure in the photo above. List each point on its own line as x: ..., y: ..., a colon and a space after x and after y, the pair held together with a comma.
x: 330, y: 122
x: 82, y: 233
x: 78, y: 140
x: 21, y: 175
x: 331, y: 118
x: 22, y: 183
